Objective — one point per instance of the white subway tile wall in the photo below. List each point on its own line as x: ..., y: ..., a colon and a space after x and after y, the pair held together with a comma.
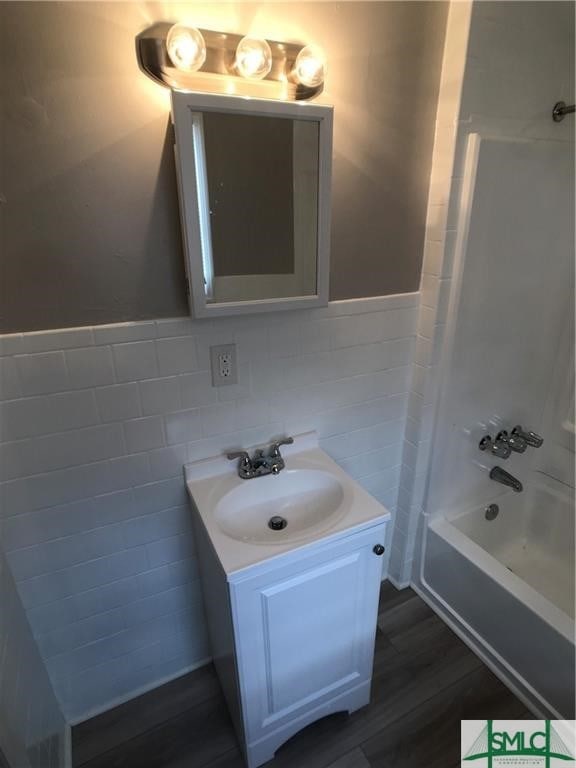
x: 32, y: 727
x: 95, y: 426
x: 435, y: 287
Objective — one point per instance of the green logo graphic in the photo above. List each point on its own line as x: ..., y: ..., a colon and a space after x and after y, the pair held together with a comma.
x: 546, y: 745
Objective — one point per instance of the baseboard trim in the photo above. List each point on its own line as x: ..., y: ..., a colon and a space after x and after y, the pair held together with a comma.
x: 67, y: 746
x: 138, y: 692
x: 398, y: 584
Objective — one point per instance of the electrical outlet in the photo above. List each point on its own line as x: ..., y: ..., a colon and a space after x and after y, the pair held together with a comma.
x: 223, y: 365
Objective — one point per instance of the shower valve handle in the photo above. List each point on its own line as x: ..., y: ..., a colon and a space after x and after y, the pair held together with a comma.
x: 531, y: 438
x: 498, y: 447
x: 514, y: 442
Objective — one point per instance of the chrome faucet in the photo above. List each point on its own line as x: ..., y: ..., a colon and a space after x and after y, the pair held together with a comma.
x: 501, y: 476
x: 504, y: 443
x: 269, y: 463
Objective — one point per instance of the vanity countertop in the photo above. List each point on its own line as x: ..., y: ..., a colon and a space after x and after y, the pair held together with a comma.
x: 319, y: 501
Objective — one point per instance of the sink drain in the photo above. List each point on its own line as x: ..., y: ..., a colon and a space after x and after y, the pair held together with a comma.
x: 277, y: 523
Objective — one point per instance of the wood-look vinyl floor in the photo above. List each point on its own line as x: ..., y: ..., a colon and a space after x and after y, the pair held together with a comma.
x: 425, y: 681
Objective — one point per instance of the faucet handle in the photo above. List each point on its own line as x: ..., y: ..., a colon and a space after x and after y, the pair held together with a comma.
x: 531, y: 438
x: 246, y: 469
x: 243, y: 456
x: 498, y: 447
x: 274, y: 450
x: 515, y: 442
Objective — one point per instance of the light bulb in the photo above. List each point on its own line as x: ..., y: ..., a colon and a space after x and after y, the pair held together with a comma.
x: 186, y: 47
x: 310, y: 66
x: 253, y: 58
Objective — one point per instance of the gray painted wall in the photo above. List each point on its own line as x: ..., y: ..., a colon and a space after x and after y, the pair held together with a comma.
x: 90, y: 229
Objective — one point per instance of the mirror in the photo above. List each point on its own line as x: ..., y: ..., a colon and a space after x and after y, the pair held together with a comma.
x: 254, y: 185
x: 262, y: 180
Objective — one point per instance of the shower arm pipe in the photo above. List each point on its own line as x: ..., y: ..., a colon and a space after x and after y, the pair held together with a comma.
x: 561, y: 109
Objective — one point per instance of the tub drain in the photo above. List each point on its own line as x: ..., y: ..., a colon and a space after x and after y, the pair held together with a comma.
x: 277, y: 523
x: 491, y: 511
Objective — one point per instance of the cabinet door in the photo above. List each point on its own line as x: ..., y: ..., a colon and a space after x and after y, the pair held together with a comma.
x: 305, y: 631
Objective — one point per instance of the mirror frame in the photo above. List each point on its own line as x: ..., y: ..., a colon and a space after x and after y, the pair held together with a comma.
x: 193, y: 197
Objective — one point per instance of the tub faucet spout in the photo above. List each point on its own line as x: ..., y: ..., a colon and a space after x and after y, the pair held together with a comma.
x: 501, y: 476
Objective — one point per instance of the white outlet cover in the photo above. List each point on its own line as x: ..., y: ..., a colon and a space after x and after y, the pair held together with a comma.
x: 217, y: 365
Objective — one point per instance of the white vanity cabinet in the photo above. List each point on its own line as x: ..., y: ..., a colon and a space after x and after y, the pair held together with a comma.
x: 293, y: 636
x: 291, y: 611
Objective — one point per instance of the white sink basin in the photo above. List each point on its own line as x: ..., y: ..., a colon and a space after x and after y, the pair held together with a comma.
x: 312, y: 494
x: 305, y: 498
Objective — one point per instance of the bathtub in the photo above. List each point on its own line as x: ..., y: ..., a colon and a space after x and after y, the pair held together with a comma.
x: 509, y: 582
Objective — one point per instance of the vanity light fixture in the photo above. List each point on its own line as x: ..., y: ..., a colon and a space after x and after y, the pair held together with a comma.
x: 202, y: 60
x: 186, y: 47
x: 310, y: 66
x: 253, y: 58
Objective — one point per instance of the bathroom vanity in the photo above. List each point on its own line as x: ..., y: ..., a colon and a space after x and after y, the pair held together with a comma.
x: 291, y: 611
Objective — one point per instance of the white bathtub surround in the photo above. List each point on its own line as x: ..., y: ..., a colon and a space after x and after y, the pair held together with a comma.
x: 33, y: 731
x: 519, y: 352
x: 96, y: 424
x: 435, y: 286
x: 492, y: 88
x: 498, y: 369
